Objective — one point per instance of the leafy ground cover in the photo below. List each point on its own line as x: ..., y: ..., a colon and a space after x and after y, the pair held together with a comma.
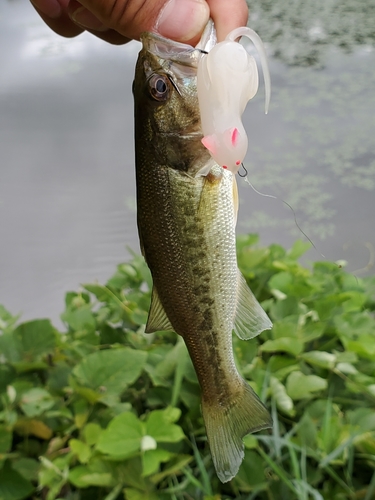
x: 104, y: 411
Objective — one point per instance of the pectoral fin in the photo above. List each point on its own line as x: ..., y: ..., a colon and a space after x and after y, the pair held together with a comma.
x: 250, y: 319
x: 157, y: 317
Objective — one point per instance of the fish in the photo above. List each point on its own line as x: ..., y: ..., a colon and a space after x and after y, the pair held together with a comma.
x: 186, y: 215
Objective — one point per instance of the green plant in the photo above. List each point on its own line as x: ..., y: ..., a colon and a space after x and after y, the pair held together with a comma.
x: 104, y: 411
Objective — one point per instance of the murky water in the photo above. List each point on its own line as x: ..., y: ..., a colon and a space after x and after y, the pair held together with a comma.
x: 67, y: 183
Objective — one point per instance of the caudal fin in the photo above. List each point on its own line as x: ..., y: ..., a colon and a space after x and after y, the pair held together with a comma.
x: 227, y: 425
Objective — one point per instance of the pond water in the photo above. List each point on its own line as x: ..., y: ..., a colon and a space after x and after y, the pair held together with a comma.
x: 67, y: 183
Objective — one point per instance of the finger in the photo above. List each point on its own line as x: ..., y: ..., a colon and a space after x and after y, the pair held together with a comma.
x: 228, y: 15
x: 181, y: 20
x: 111, y: 36
x: 86, y: 20
x: 54, y: 14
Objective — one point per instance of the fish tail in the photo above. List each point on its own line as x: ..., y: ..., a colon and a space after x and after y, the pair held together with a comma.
x: 227, y: 424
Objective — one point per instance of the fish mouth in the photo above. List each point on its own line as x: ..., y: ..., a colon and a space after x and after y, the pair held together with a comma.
x: 177, y: 52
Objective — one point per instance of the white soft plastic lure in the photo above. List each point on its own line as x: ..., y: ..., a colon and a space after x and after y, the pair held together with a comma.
x: 227, y: 79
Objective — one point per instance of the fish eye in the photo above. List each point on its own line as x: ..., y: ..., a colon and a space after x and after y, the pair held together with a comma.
x: 159, y: 87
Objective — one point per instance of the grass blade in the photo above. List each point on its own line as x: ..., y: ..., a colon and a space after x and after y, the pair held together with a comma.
x: 371, y: 489
x: 201, y: 467
x: 278, y: 471
x: 276, y: 430
x: 337, y: 451
x: 193, y: 479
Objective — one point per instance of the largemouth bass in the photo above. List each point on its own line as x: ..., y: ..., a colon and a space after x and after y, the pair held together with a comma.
x: 186, y: 214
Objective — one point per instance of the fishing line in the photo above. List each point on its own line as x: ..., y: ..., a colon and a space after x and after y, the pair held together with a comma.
x: 245, y: 177
x: 339, y: 266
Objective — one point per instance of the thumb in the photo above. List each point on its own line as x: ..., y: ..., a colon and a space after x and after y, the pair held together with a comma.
x: 183, y: 20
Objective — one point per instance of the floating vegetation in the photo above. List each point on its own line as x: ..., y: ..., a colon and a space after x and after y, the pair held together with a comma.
x: 300, y: 32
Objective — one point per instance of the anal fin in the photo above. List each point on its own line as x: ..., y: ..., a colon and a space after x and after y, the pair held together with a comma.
x: 157, y: 317
x: 250, y: 319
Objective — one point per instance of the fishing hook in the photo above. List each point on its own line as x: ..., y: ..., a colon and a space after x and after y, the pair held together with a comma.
x: 245, y: 174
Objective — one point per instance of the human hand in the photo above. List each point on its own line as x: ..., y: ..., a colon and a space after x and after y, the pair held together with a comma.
x: 118, y: 21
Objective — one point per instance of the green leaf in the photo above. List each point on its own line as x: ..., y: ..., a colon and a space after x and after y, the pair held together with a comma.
x: 13, y: 486
x: 250, y: 442
x: 27, y: 467
x: 139, y: 317
x: 5, y: 442
x: 7, y: 375
x: 36, y: 401
x: 80, y: 319
x: 284, y: 344
x: 58, y: 377
x: 251, y: 472
x: 83, y: 477
x: 5, y: 315
x: 122, y: 438
x: 298, y: 249
x: 320, y: 358
x: 152, y: 459
x: 280, y: 366
x: 110, y: 371
x: 81, y: 449
x: 300, y: 386
x: 159, y: 425
x: 167, y: 360
x: 283, y: 401
x: 133, y: 494
x: 35, y: 427
x: 282, y: 282
x: 364, y: 347
x: 346, y: 368
x: 91, y: 433
x: 307, y: 431
x: 102, y: 293
x: 35, y: 338
x: 286, y: 327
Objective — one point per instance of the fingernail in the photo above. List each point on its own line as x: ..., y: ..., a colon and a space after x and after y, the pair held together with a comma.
x: 87, y: 20
x: 51, y: 8
x: 183, y: 20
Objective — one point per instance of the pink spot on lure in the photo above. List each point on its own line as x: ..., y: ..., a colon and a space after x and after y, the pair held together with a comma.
x: 235, y: 135
x: 227, y: 79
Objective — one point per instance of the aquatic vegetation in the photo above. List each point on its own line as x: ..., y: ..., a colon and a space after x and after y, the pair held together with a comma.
x: 314, y: 148
x: 301, y: 32
x: 102, y: 410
